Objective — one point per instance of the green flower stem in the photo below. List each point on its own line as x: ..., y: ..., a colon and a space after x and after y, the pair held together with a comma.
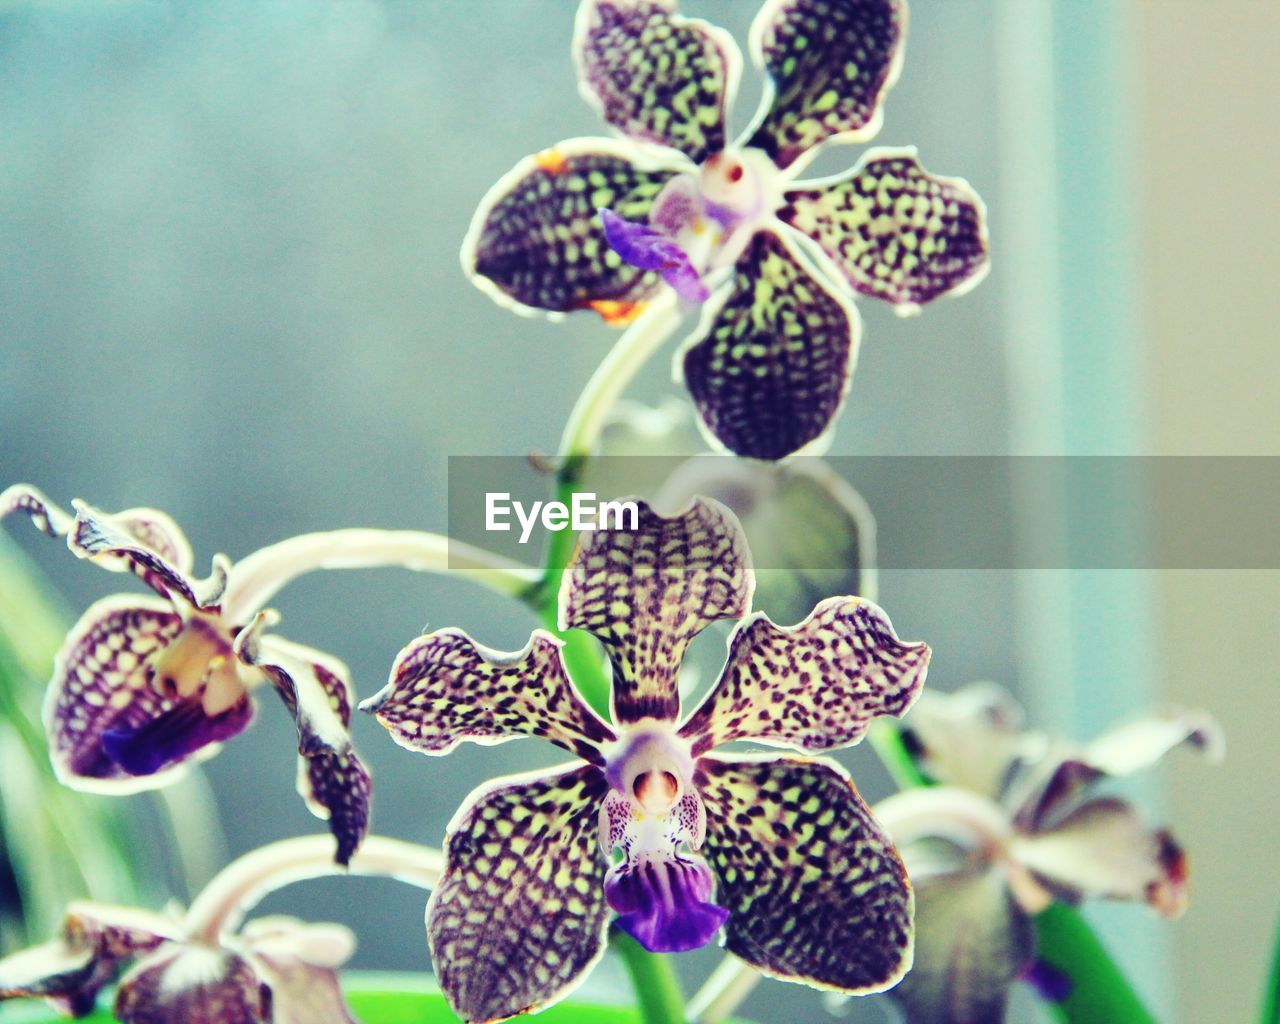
x: 657, y: 990
x: 1271, y: 997
x: 1100, y: 991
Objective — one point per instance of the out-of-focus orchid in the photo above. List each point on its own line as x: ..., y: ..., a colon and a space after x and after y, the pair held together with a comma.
x: 1011, y: 828
x: 145, y: 685
x: 206, y: 966
x: 603, y: 223
x: 806, y: 884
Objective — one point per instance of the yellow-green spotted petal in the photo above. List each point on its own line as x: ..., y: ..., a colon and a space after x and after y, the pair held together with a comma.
x: 815, y: 686
x: 645, y: 593
x: 536, y: 243
x: 895, y: 231
x: 656, y: 76
x: 815, y: 890
x: 771, y: 362
x: 519, y: 916
x: 830, y: 63
x: 446, y: 688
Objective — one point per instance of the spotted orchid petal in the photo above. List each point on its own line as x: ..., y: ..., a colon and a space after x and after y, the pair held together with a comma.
x: 771, y: 361
x: 649, y: 249
x: 973, y: 942
x: 646, y: 593
x: 830, y: 64
x: 813, y: 687
x: 816, y: 891
x: 97, y: 939
x: 446, y: 688
x: 519, y: 916
x: 195, y: 985
x: 895, y: 231
x: 316, y: 688
x: 1067, y: 773
x: 299, y: 962
x: 136, y: 694
x: 536, y: 243
x: 1103, y: 848
x: 142, y: 541
x: 657, y: 76
x: 970, y: 739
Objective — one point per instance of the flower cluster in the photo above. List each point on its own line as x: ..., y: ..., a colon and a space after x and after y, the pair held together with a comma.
x: 806, y: 884
x: 603, y: 224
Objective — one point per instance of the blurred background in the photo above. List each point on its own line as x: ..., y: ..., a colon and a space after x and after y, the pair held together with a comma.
x: 229, y: 288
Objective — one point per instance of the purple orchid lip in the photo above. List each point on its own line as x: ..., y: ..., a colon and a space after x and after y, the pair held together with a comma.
x: 663, y: 903
x: 647, y: 248
x: 171, y: 736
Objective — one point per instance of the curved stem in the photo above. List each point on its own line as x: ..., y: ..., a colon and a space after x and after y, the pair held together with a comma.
x: 257, y: 578
x: 657, y: 990
x: 724, y: 991
x: 240, y: 886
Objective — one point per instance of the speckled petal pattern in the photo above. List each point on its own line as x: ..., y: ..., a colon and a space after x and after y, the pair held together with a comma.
x: 446, y: 688
x: 645, y: 594
x: 104, y: 697
x: 816, y: 891
x: 124, y: 543
x: 194, y: 985
x: 656, y: 76
x: 895, y: 231
x: 815, y: 686
x: 770, y: 364
x: 830, y: 63
x: 317, y: 691
x: 519, y: 916
x: 536, y: 242
x: 47, y: 516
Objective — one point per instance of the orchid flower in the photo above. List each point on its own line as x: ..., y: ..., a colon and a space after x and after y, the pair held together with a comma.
x: 206, y: 966
x: 780, y: 851
x: 145, y: 685
x: 1011, y: 829
x: 604, y: 223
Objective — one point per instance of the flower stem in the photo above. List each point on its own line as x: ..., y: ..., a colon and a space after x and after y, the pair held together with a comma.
x: 240, y: 886
x: 257, y: 578
x: 1271, y: 997
x: 657, y: 991
x: 730, y: 983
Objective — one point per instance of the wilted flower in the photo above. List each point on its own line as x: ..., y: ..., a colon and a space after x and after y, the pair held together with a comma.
x: 1011, y: 829
x: 145, y: 685
x: 602, y: 223
x: 806, y: 884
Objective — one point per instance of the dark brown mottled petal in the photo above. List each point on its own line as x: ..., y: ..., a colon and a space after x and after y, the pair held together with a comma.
x: 446, y: 688
x: 816, y: 891
x: 193, y: 985
x: 47, y: 516
x: 972, y: 942
x: 895, y: 231
x: 1103, y: 848
x: 656, y: 76
x: 316, y: 688
x: 830, y: 63
x: 769, y: 365
x: 519, y: 917
x: 112, y: 725
x: 124, y: 543
x: 646, y: 593
x: 815, y: 686
x: 536, y: 243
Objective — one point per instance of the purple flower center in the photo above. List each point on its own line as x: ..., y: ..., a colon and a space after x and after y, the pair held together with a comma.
x: 171, y: 736
x: 663, y: 902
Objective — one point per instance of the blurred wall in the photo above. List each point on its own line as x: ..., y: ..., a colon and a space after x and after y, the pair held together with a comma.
x: 1208, y: 152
